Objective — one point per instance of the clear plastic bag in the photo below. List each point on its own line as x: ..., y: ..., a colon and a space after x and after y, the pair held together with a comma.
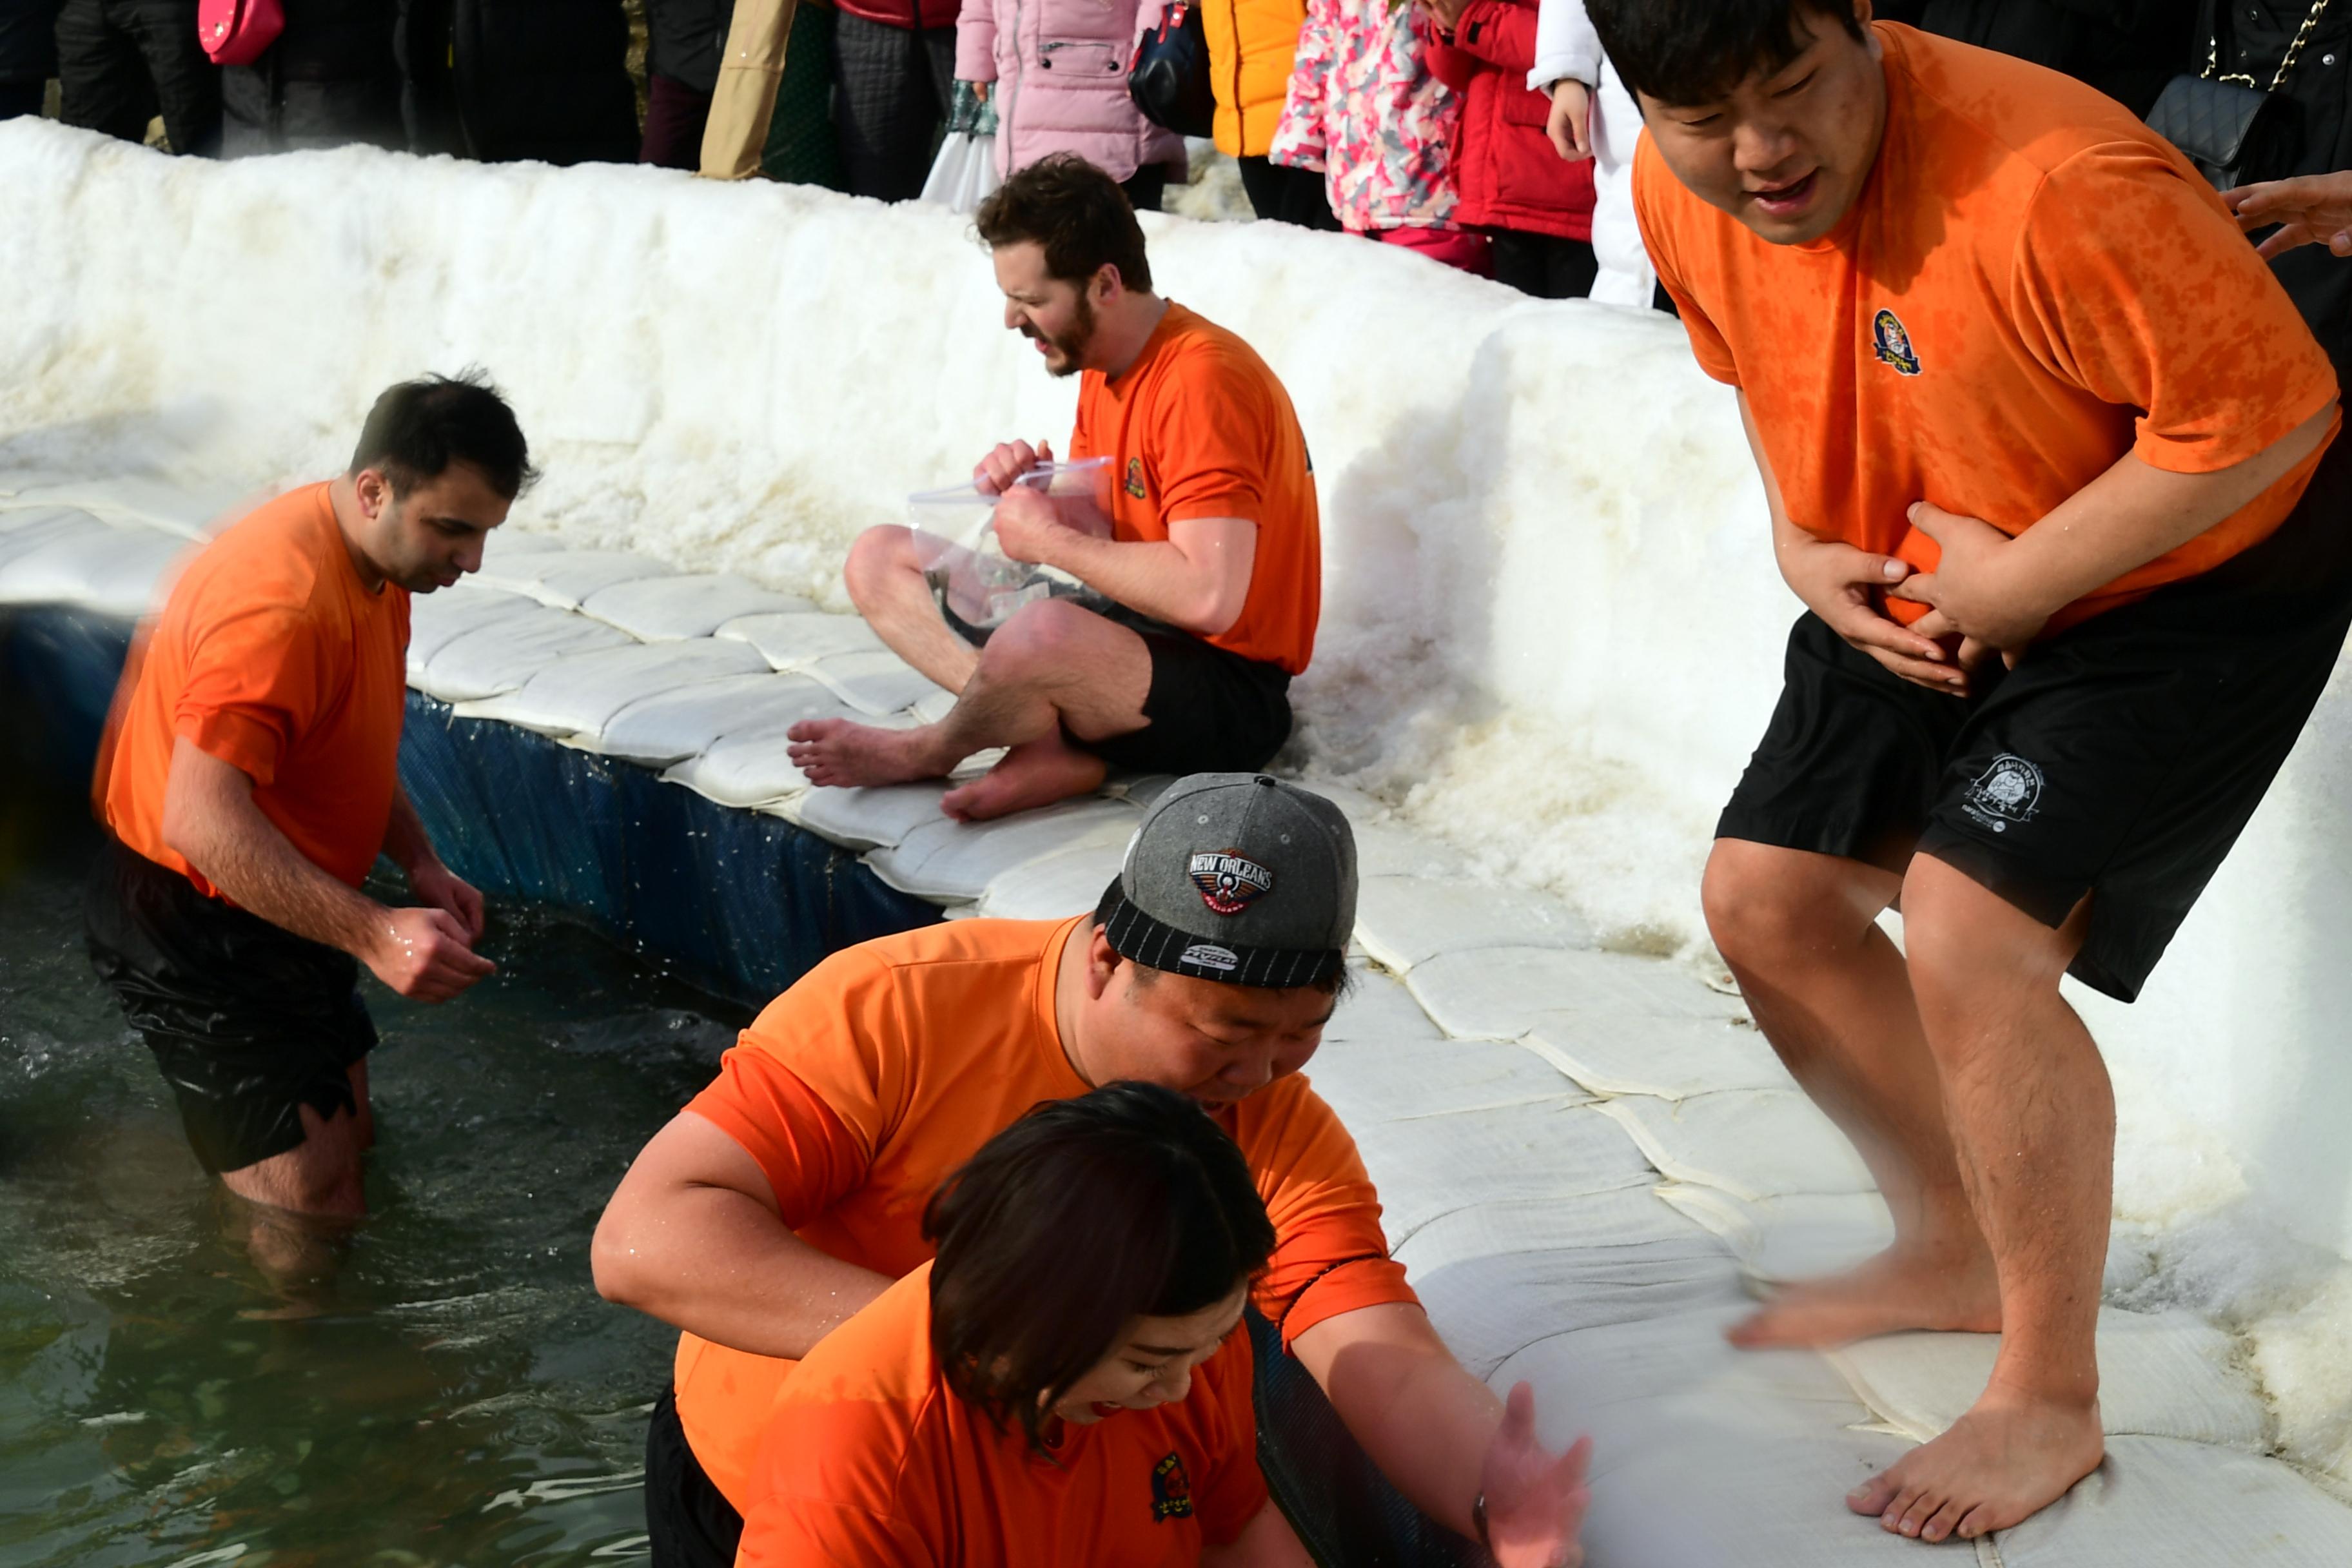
x: 954, y: 534
x: 964, y: 173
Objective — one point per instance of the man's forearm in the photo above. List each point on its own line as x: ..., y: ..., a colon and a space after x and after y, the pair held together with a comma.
x: 210, y: 817
x: 1417, y: 1413
x: 404, y: 839
x: 1152, y: 576
x: 2134, y: 513
x: 718, y: 1265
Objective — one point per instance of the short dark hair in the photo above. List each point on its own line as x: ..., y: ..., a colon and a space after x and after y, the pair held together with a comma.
x: 1691, y: 51
x: 1075, y: 213
x: 1127, y: 1202
x: 417, y: 429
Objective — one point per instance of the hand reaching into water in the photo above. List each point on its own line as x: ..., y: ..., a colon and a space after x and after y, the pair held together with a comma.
x: 1535, y: 1500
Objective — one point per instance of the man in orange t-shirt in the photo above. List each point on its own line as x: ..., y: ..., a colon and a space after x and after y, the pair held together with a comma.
x: 250, y: 780
x: 791, y: 1193
x: 2051, y: 462
x: 1204, y: 596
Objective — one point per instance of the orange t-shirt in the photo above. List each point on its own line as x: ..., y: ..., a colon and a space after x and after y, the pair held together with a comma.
x: 1197, y: 426
x: 2030, y: 285
x: 273, y: 656
x: 888, y: 1064
x: 871, y: 1460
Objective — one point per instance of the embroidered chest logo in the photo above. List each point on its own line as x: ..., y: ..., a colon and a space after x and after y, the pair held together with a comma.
x: 1892, y: 343
x: 1172, y: 1490
x: 1135, y: 479
x: 1229, y: 881
x: 2008, y: 791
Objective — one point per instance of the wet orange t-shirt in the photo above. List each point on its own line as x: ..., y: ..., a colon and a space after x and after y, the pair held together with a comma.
x: 871, y: 1460
x: 2030, y: 285
x: 272, y: 656
x: 888, y: 1064
x: 1197, y: 426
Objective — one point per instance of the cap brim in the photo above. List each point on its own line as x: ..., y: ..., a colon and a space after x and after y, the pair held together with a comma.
x: 1156, y: 945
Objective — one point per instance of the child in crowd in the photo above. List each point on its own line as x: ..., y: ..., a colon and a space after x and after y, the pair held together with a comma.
x: 1055, y: 73
x: 1064, y: 1382
x: 1365, y: 108
x: 1535, y: 207
x: 1594, y: 118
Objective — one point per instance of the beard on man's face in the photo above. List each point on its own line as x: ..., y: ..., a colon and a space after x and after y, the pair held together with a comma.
x: 1066, y: 351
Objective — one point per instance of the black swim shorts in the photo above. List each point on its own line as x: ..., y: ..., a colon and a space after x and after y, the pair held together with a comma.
x: 247, y: 1021
x: 2121, y: 758
x: 1209, y: 711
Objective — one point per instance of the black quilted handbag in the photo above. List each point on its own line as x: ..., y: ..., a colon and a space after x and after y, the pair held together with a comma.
x: 2234, y: 130
x: 1169, y: 77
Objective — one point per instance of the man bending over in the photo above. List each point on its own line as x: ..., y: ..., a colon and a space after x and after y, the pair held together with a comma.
x: 1214, y: 566
x: 789, y: 1193
x: 2042, y: 444
x: 250, y: 779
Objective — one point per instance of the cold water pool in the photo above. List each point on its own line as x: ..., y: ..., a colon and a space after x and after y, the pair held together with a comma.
x: 458, y: 1396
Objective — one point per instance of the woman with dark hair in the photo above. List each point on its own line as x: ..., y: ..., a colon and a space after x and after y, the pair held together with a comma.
x: 1063, y: 1383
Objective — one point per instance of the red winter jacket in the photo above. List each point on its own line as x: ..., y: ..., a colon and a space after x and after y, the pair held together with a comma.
x: 1508, y: 174
x: 908, y: 14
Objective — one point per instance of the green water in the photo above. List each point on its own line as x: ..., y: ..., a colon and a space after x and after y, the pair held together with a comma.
x: 457, y: 1395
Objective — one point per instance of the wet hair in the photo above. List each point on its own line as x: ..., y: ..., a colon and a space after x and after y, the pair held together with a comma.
x: 417, y: 429
x: 1694, y: 51
x: 1075, y: 213
x: 1086, y: 1213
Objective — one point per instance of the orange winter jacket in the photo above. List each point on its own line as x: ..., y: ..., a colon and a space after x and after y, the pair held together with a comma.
x: 1250, y: 45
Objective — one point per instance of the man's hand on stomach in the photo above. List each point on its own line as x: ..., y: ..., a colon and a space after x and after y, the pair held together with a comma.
x: 1838, y: 583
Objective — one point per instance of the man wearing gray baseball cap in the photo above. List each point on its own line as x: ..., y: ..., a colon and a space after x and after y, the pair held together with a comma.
x: 789, y: 1193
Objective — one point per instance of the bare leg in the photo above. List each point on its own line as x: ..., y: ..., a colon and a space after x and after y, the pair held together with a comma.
x: 301, y: 1206
x: 1830, y: 991
x: 888, y: 587
x: 2033, y: 1118
x: 1052, y: 665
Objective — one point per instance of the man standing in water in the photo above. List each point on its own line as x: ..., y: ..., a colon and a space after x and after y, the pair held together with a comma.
x: 1214, y: 569
x: 2042, y: 444
x: 789, y: 1193
x: 250, y: 780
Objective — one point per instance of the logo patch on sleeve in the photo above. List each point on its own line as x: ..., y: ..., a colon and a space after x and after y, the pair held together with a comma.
x: 1172, y: 1490
x: 1890, y: 341
x: 1229, y: 881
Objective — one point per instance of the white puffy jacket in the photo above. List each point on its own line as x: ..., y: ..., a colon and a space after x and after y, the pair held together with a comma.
x: 1566, y: 46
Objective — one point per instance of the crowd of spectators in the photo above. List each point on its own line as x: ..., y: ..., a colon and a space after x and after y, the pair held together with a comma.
x: 1479, y: 133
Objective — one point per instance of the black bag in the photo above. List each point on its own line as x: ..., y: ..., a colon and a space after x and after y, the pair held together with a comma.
x: 1169, y: 77
x: 2234, y: 130
x: 2233, y: 134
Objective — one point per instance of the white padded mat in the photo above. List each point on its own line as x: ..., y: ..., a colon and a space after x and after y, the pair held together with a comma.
x: 870, y: 819
x: 1402, y: 1080
x: 1672, y: 1058
x: 955, y: 862
x: 691, y: 605
x: 1405, y: 921
x: 560, y: 578
x: 671, y: 726
x: 98, y: 565
x: 1378, y: 1011
x: 1433, y: 1165
x: 750, y: 768
x: 2162, y: 1374
x: 439, y: 618
x: 1797, y: 1235
x: 1502, y: 992
x: 794, y: 641
x: 578, y: 696
x: 875, y: 683
x: 1750, y: 1142
x: 501, y: 656
x: 1053, y: 887
x: 2157, y: 1501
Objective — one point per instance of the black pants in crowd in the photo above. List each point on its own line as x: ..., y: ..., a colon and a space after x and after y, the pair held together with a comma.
x: 122, y: 62
x: 1287, y: 195
x: 895, y: 86
x: 1547, y: 266
x: 1146, y: 186
x: 676, y: 117
x: 21, y: 97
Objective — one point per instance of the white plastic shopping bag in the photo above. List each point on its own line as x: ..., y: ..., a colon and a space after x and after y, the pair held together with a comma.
x: 964, y: 172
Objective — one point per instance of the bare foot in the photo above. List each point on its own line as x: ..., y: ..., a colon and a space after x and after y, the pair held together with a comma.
x: 1038, y: 773
x: 1897, y: 1289
x: 2008, y: 1459
x: 836, y: 751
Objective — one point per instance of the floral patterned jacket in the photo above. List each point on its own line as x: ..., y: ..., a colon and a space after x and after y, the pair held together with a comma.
x: 1364, y: 109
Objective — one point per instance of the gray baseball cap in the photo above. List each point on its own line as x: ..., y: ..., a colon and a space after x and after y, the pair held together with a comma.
x: 1238, y: 877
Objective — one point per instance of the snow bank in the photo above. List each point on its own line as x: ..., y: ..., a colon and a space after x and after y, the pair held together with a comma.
x: 1552, y: 629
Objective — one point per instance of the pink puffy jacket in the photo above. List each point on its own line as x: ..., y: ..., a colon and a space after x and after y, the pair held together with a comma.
x: 1060, y: 70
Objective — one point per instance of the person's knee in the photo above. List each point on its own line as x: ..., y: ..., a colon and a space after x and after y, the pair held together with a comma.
x: 1766, y: 907
x: 1038, y: 643
x: 1969, y: 949
x: 878, y: 557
